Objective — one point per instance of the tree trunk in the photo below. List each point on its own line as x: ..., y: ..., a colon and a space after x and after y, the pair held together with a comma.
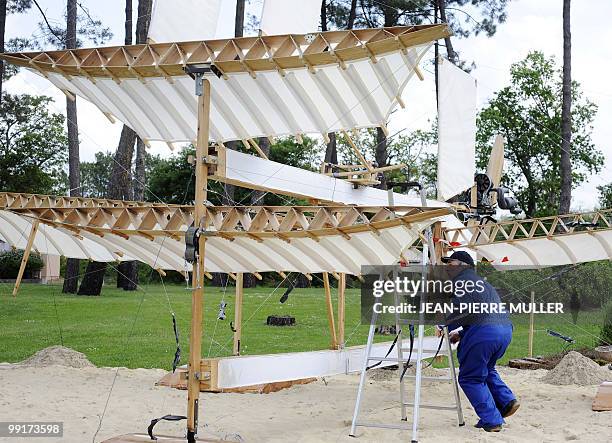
x: 227, y: 199
x: 2, y: 31
x: 331, y: 152
x: 71, y: 277
x: 120, y: 184
x: 566, y: 115
x: 127, y: 272
x: 249, y: 280
x: 144, y: 20
x: 381, y: 154
x: 450, y: 52
x: 140, y: 177
x: 128, y: 22
x: 324, y: 15
x: 239, y: 23
x: 93, y: 279
x: 352, y: 14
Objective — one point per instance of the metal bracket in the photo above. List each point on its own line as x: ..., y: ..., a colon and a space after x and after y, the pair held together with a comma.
x: 199, y: 76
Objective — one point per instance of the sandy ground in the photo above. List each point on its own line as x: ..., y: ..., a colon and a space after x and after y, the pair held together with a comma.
x: 318, y: 412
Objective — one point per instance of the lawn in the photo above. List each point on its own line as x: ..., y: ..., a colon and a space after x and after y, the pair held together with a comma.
x: 134, y: 329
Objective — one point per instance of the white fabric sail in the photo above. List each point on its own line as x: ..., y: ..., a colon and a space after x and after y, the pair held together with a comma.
x: 290, y: 16
x: 184, y: 20
x: 456, y: 130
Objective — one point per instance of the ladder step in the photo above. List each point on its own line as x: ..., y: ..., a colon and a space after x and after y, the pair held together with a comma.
x: 426, y: 406
x: 383, y: 425
x: 393, y: 359
x: 425, y: 377
x: 426, y: 350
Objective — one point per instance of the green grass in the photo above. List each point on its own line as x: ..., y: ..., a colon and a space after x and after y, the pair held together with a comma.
x: 134, y: 329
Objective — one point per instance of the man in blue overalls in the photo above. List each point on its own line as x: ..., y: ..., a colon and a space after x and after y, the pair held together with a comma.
x: 482, y: 341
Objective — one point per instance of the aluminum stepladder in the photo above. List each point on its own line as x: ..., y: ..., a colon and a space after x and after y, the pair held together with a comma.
x: 428, y: 248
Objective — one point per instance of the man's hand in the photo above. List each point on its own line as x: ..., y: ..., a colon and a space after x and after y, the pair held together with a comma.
x: 454, y: 337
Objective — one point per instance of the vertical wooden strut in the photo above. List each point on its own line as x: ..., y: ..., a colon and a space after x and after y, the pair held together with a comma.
x: 531, y: 324
x: 238, y: 312
x: 195, y: 339
x: 330, y: 311
x: 26, y: 256
x: 341, y: 304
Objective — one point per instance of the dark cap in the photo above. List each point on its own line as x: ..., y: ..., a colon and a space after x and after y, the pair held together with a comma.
x: 461, y: 256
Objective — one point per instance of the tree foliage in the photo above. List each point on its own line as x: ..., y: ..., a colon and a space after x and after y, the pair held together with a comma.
x: 465, y: 17
x: 605, y: 195
x: 53, y: 32
x: 10, y: 262
x: 95, y: 175
x: 33, y: 145
x: 416, y: 150
x: 528, y: 114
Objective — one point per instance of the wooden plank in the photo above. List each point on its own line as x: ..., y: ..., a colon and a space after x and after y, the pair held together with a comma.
x: 144, y: 438
x: 272, y: 177
x: 330, y: 311
x: 341, y: 308
x: 603, y: 398
x: 357, y: 151
x: 195, y: 338
x: 531, y: 323
x: 178, y: 380
x: 251, y: 370
x: 238, y: 312
x: 26, y: 256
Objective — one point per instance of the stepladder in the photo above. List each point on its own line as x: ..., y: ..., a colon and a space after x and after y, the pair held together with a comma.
x: 414, y: 355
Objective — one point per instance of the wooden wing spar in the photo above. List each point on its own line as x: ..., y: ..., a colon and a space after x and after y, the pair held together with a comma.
x: 537, y: 243
x: 268, y: 86
x: 239, y: 239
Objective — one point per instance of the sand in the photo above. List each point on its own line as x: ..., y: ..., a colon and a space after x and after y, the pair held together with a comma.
x: 576, y: 369
x: 317, y: 412
x: 58, y: 356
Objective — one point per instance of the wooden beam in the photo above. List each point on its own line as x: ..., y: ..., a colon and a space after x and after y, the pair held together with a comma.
x: 195, y: 338
x: 357, y: 151
x: 362, y: 172
x: 238, y: 312
x: 287, y: 53
x: 438, y: 245
x: 341, y: 308
x: 258, y: 149
x: 531, y: 324
x: 330, y: 311
x: 26, y: 256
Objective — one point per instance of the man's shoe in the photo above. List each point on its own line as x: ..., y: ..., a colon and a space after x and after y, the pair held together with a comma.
x: 510, y: 408
x: 494, y: 428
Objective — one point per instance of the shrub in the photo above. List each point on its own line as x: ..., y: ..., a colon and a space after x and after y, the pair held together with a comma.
x: 11, y: 260
x: 606, y: 330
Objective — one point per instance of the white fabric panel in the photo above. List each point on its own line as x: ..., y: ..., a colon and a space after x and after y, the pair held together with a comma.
x: 333, y: 253
x: 15, y: 230
x: 257, y: 173
x: 290, y: 16
x: 543, y: 252
x: 301, y: 102
x: 251, y: 370
x: 184, y: 20
x: 456, y: 131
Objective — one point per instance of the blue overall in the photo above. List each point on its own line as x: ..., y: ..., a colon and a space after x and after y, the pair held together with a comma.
x: 484, y: 340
